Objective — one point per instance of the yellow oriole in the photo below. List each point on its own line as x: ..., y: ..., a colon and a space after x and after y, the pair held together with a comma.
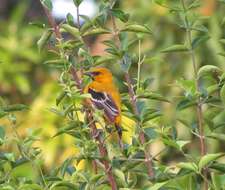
x: 105, y: 96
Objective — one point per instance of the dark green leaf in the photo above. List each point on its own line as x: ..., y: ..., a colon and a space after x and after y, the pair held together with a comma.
x: 120, y: 14
x: 218, y: 166
x: 218, y: 136
x: 15, y: 107
x: 185, y: 103
x: 47, y: 4
x: 198, y: 40
x: 60, y: 97
x: 77, y: 2
x: 70, y: 19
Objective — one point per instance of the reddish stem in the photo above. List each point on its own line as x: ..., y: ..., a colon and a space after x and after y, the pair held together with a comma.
x: 148, y: 160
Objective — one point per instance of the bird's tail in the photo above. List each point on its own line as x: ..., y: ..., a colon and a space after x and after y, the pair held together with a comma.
x: 119, y: 132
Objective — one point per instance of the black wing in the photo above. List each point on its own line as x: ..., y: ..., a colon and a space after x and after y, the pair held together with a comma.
x: 104, y: 101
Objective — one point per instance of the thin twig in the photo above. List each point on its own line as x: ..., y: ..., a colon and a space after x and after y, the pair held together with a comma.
x: 199, y: 104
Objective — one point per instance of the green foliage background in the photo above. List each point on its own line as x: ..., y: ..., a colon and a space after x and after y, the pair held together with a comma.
x: 31, y: 158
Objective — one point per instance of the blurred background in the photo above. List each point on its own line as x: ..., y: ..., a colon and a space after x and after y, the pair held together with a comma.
x: 25, y: 79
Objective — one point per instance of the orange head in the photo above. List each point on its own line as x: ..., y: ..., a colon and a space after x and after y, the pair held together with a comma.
x: 100, y: 74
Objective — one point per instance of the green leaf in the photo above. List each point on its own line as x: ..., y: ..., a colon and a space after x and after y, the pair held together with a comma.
x: 160, y: 2
x: 212, y: 89
x: 218, y: 136
x: 185, y: 103
x: 30, y: 187
x: 150, y: 132
x: 207, y: 70
x: 120, y: 14
x: 72, y: 30
x: 70, y: 19
x: 205, y: 160
x: 118, y: 173
x: 137, y: 28
x: 187, y: 85
x: 188, y: 165
x: 15, y: 107
x: 156, y: 186
x: 153, y: 96
x: 149, y: 114
x: 222, y: 94
x: 200, y: 28
x: 103, y: 59
x: 65, y: 184
x: 60, y: 97
x: 2, y: 135
x: 44, y: 39
x: 198, y: 40
x: 218, y: 166
x: 216, y: 181
x: 175, y: 48
x: 96, y: 31
x: 9, y: 157
x: 77, y: 2
x: 47, y: 4
x: 173, y: 143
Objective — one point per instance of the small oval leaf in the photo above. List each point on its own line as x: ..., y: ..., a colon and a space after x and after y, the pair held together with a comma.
x: 137, y: 28
x: 175, y: 48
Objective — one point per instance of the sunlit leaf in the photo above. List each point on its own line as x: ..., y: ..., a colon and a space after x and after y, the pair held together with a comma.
x: 175, y: 48
x: 96, y: 31
x: 70, y: 29
x: 205, y: 160
x: 156, y: 186
x: 188, y: 165
x: 137, y: 28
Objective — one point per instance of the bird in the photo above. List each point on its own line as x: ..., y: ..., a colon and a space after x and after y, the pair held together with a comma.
x: 105, y: 96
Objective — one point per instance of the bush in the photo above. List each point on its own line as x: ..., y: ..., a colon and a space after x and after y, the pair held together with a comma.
x: 183, y: 162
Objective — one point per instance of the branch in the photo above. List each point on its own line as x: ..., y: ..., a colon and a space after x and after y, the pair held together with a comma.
x: 199, y: 104
x: 88, y: 112
x: 133, y: 99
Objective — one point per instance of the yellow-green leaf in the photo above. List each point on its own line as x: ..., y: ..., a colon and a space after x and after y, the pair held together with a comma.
x: 175, y: 48
x: 205, y: 160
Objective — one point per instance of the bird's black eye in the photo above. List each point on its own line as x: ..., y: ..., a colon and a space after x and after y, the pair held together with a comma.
x: 96, y: 73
